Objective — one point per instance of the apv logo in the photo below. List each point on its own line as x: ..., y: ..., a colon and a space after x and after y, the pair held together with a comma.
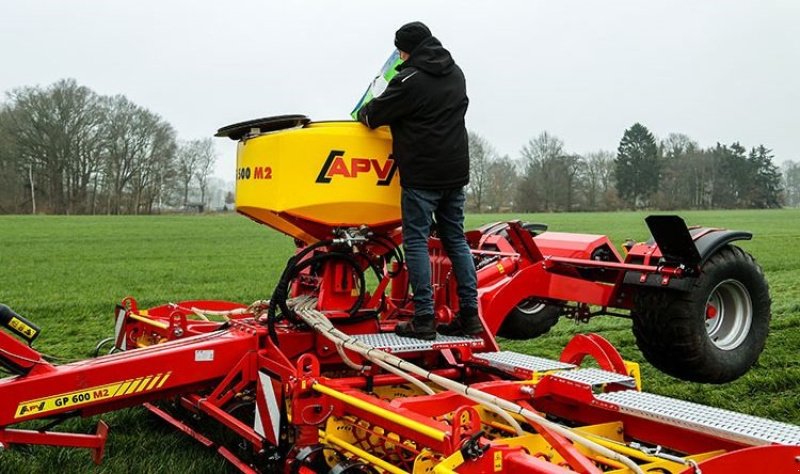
x: 337, y: 165
x: 30, y: 408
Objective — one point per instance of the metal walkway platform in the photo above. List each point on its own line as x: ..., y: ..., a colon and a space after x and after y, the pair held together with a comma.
x: 596, y: 377
x: 725, y: 424
x: 395, y: 344
x: 514, y: 362
x: 714, y: 421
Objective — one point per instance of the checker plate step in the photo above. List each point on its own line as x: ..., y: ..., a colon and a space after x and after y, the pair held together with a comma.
x: 594, y: 377
x: 715, y: 421
x: 395, y: 344
x: 509, y: 361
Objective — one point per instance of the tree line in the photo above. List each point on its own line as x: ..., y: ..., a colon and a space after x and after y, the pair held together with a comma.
x: 644, y: 173
x: 64, y: 149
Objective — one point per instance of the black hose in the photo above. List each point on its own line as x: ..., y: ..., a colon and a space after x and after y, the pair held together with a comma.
x: 281, y: 289
x: 394, y: 251
x: 319, y: 258
x: 293, y: 268
x: 297, y: 263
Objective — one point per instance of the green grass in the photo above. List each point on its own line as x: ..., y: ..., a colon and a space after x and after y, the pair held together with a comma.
x: 67, y: 273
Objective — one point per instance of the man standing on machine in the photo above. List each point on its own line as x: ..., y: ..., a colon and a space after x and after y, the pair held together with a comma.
x: 424, y: 105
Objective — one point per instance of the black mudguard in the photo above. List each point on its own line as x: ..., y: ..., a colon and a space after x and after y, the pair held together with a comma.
x: 710, y: 243
x: 681, y: 246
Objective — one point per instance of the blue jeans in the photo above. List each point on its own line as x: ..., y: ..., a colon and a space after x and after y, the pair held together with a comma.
x: 419, y: 206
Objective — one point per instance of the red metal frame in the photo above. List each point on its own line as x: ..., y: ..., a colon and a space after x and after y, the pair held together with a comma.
x: 173, y: 354
x: 96, y: 442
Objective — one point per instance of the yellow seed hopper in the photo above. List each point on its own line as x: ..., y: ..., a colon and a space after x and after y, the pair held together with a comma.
x: 304, y: 178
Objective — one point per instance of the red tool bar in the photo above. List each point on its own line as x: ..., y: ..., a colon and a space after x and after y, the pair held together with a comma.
x: 95, y: 442
x: 386, y: 379
x: 179, y: 424
x: 126, y: 378
x: 225, y: 418
x: 52, y: 438
x: 579, y: 262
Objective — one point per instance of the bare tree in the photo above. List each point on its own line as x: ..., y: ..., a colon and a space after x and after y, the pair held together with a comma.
x: 677, y: 144
x: 121, y: 146
x: 186, y: 167
x: 83, y: 130
x: 155, y: 165
x: 680, y: 172
x: 136, y: 139
x: 543, y: 182
x: 13, y: 174
x: 66, y: 149
x: 791, y: 183
x: 598, y: 179
x: 481, y: 154
x: 501, y: 179
x: 57, y: 136
x: 206, y: 159
x: 572, y: 172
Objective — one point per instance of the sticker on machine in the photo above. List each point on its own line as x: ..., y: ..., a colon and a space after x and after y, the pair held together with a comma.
x: 204, y: 355
x: 90, y: 395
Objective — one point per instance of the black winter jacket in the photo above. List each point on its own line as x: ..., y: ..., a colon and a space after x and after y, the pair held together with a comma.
x: 424, y: 104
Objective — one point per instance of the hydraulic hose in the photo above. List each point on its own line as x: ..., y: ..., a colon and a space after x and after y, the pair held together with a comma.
x: 393, y: 248
x: 293, y: 268
x: 320, y: 323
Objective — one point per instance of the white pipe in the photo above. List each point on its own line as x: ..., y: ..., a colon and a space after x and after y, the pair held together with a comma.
x: 418, y: 383
x: 322, y: 324
x: 346, y: 359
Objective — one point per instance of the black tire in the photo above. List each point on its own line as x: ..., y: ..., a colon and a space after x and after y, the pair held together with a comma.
x: 715, y: 332
x: 529, y: 319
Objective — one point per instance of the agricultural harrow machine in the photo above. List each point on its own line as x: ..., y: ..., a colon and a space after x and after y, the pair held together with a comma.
x: 313, y: 379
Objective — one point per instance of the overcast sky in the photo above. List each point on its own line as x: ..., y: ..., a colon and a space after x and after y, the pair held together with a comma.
x: 582, y: 70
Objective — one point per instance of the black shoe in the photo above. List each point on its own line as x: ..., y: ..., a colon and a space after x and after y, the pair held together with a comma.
x: 418, y: 328
x: 466, y: 323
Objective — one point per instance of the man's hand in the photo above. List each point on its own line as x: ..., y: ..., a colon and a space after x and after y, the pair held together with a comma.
x: 362, y: 116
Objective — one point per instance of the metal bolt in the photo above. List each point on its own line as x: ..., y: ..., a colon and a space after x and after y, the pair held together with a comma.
x: 527, y: 390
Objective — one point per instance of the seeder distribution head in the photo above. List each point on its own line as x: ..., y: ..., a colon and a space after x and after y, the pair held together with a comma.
x: 309, y: 179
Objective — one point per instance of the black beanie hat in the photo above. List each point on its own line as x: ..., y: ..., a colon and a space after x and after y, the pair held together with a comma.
x: 410, y: 35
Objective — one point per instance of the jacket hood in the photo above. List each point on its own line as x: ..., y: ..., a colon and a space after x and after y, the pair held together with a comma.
x: 430, y: 56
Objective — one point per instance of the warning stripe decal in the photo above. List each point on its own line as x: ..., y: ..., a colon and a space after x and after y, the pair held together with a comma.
x: 271, y: 419
x: 133, y: 386
x: 153, y: 382
x: 89, y: 395
x: 144, y: 384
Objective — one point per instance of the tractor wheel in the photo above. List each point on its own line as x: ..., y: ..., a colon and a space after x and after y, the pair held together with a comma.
x: 716, y: 331
x: 529, y: 319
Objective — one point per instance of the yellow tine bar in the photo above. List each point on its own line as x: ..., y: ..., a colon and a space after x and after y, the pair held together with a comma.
x: 616, y: 465
x: 439, y: 469
x: 622, y: 449
x: 149, y: 321
x: 365, y: 455
x: 420, y: 428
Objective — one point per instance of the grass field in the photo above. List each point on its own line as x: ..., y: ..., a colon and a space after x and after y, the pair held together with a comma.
x: 66, y: 274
